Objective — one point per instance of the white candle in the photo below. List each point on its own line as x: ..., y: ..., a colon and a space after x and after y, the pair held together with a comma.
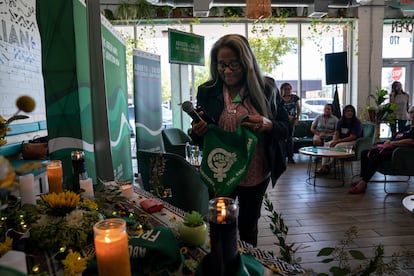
x: 27, y: 190
x: 87, y: 185
x: 127, y: 191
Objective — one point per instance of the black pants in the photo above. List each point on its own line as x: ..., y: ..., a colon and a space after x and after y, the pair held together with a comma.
x: 398, y: 126
x: 289, y: 140
x: 369, y: 164
x: 250, y: 203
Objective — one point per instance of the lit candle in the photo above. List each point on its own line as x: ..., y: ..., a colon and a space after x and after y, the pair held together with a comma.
x: 111, y: 246
x: 223, y: 212
x: 87, y: 185
x: 27, y: 190
x: 127, y: 191
x: 78, y: 168
x: 55, y: 176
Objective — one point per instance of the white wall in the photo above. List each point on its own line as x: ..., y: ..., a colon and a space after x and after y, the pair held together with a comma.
x: 20, y: 58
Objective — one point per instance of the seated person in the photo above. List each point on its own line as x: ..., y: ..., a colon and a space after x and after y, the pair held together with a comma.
x: 348, y: 129
x: 323, y: 127
x: 382, y: 152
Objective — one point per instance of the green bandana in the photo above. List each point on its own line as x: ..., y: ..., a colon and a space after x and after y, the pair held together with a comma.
x: 226, y: 158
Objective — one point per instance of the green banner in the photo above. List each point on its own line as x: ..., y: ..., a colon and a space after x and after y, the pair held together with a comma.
x: 185, y: 48
x: 65, y: 63
x: 147, y: 99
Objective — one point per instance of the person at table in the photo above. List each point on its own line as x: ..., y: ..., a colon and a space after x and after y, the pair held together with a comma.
x: 323, y: 126
x: 370, y: 159
x: 237, y: 88
x: 348, y: 129
x: 401, y: 100
x: 291, y: 103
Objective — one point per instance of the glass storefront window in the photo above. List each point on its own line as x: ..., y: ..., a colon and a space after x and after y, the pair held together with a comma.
x: 303, y: 67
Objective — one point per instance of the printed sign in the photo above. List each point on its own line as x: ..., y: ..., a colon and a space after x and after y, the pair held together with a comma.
x: 185, y: 48
x: 396, y: 73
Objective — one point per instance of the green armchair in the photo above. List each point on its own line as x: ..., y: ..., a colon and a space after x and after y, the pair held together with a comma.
x: 366, y: 141
x: 401, y: 164
x: 188, y: 190
x: 174, y: 140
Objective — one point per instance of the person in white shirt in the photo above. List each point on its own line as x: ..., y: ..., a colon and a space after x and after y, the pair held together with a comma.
x: 323, y: 126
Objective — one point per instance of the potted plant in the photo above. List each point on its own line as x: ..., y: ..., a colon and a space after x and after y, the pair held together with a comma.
x: 380, y: 112
x: 193, y: 230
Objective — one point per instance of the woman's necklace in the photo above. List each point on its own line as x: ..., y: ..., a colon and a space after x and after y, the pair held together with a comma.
x: 233, y: 103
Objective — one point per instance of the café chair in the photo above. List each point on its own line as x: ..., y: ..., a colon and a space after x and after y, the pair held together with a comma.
x: 188, y: 191
x: 401, y: 164
x: 174, y: 140
x: 363, y: 143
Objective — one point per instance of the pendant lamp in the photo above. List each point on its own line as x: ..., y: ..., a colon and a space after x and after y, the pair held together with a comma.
x: 256, y: 9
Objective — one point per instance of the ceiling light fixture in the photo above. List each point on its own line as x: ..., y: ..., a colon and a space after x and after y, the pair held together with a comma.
x: 256, y: 9
x: 319, y: 9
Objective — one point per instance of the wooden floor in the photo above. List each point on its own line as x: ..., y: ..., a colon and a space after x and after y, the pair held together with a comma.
x: 318, y: 217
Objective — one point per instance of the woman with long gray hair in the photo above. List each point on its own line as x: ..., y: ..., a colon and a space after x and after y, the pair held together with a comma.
x: 235, y: 91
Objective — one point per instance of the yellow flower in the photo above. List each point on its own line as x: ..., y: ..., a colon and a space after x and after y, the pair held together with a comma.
x: 61, y: 204
x: 275, y: 269
x: 74, y: 264
x: 25, y: 103
x: 5, y: 246
x: 89, y: 203
x: 7, y: 174
x: 65, y: 199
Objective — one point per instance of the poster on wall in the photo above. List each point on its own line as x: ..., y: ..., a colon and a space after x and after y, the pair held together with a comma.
x: 147, y: 100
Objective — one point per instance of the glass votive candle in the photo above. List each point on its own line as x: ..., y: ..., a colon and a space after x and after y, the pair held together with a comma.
x: 222, y: 215
x: 55, y: 176
x: 111, y: 246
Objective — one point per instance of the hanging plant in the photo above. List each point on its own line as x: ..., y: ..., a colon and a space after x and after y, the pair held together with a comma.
x: 124, y: 11
x: 143, y: 9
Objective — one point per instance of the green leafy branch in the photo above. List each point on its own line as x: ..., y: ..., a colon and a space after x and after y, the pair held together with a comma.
x: 280, y: 229
x: 377, y: 264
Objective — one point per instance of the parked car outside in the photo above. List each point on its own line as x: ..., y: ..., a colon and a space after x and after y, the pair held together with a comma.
x: 312, y: 107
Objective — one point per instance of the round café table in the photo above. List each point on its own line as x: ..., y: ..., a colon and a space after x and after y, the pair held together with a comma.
x: 327, y: 152
x: 408, y: 203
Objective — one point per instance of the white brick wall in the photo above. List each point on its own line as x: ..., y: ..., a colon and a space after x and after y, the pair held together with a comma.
x: 20, y: 58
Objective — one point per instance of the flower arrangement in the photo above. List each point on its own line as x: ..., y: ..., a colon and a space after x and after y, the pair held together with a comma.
x: 23, y: 103
x: 61, y: 225
x: 63, y: 220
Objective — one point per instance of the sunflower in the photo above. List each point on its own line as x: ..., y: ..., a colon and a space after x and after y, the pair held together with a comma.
x: 61, y: 204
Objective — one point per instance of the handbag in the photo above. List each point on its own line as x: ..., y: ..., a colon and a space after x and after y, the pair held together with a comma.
x: 226, y: 158
x: 35, y: 149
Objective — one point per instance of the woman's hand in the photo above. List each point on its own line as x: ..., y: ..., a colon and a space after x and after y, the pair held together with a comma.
x: 199, y: 128
x: 295, y: 121
x: 333, y: 143
x: 258, y: 123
